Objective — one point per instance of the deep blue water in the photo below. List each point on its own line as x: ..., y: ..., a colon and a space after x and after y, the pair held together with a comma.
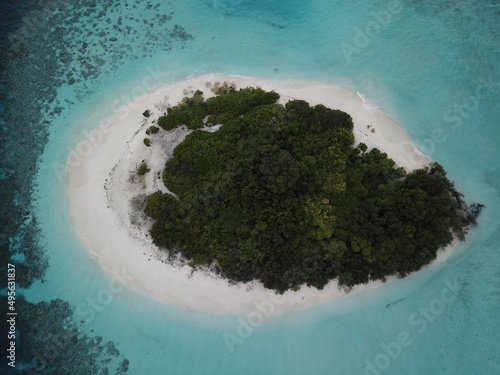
x: 431, y: 65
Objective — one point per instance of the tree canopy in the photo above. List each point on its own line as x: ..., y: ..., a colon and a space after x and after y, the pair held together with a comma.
x: 281, y: 195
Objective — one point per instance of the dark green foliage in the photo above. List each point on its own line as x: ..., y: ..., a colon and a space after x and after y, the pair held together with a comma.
x: 143, y: 169
x: 224, y: 108
x: 473, y: 211
x: 279, y: 194
x: 220, y: 109
x: 190, y: 112
x: 147, y: 142
x: 152, y: 130
x: 147, y: 113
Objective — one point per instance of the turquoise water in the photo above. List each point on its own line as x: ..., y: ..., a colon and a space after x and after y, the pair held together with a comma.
x: 432, y: 66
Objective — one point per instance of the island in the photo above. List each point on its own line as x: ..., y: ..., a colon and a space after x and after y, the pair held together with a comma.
x: 262, y: 192
x: 279, y: 194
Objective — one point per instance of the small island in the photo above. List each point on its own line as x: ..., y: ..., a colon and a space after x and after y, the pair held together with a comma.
x: 279, y: 193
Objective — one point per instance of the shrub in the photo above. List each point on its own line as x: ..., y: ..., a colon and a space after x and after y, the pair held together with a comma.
x: 152, y: 130
x: 146, y: 113
x: 143, y: 169
x: 223, y: 89
x: 190, y: 111
x: 147, y: 142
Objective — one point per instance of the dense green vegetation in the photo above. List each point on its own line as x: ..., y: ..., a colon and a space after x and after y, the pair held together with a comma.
x: 152, y: 130
x: 143, y: 169
x: 279, y: 194
x: 192, y: 111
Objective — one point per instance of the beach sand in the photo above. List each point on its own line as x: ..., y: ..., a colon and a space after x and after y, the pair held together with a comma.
x: 106, y: 195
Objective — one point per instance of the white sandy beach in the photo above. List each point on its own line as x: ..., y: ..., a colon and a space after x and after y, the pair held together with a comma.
x: 104, y: 188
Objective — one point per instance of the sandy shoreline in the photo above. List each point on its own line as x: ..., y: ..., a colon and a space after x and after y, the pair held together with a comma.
x: 103, y: 189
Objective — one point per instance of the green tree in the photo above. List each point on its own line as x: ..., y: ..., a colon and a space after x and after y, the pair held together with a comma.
x: 282, y: 195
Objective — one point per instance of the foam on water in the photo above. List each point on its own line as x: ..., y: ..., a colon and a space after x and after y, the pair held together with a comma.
x: 366, y: 104
x: 422, y: 65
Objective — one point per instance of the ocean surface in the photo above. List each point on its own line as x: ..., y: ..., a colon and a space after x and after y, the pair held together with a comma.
x: 66, y: 65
